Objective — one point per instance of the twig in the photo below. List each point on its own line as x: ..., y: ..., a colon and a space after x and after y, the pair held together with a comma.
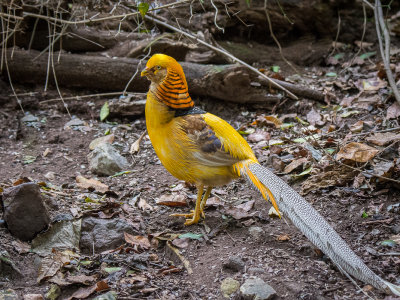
x: 215, y: 16
x: 185, y: 262
x: 337, y: 35
x: 86, y: 21
x: 275, y: 38
x: 221, y: 51
x: 385, y: 50
x: 80, y: 97
x: 387, y: 221
x: 137, y: 71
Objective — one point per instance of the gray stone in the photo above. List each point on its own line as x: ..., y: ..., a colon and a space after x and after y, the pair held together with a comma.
x: 8, y: 294
x: 234, y: 263
x: 255, y: 288
x: 256, y: 232
x: 229, y: 286
x: 8, y: 268
x: 24, y: 211
x: 106, y: 160
x: 103, y: 234
x: 111, y: 295
x: 395, y: 229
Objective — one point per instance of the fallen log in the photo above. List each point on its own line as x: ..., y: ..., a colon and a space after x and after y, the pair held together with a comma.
x: 232, y: 83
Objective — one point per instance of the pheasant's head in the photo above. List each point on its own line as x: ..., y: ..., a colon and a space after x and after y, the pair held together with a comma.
x: 168, y: 82
x: 158, y: 67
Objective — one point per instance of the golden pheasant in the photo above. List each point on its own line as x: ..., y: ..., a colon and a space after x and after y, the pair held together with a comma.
x: 203, y: 149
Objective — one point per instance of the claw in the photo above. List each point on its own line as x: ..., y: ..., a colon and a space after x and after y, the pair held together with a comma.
x: 191, y: 218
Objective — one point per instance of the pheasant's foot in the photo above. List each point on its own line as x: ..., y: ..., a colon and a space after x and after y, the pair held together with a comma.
x: 191, y: 218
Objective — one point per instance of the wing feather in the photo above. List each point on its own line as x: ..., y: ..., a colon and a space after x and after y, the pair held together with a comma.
x: 211, y: 148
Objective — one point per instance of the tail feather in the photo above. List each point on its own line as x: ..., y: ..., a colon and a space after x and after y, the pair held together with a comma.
x: 316, y: 228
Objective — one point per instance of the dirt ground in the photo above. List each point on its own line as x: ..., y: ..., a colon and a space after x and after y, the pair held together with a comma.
x: 291, y: 267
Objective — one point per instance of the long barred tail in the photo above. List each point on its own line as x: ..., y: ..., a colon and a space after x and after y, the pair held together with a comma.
x: 313, y: 226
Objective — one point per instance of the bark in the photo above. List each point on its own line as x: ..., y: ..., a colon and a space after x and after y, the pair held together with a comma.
x: 224, y: 82
x: 232, y: 83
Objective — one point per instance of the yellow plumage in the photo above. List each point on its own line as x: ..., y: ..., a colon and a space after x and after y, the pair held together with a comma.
x: 199, y: 148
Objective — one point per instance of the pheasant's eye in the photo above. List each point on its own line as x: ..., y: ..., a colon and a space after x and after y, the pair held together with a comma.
x: 158, y: 67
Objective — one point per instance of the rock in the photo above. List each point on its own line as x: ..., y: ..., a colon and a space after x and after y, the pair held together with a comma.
x: 229, y: 286
x: 33, y: 297
x: 50, y: 176
x: 105, y: 160
x: 7, y: 267
x: 256, y: 232
x: 235, y: 263
x: 111, y: 295
x: 99, y: 235
x: 24, y: 211
x: 395, y: 229
x: 255, y: 288
x: 53, y: 293
x: 8, y: 294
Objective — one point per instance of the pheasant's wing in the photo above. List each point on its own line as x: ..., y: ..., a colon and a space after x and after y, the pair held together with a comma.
x: 216, y: 142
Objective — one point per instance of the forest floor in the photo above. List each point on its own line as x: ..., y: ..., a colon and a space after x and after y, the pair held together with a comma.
x: 361, y: 208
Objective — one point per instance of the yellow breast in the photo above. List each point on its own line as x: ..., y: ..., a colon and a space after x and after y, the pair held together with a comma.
x: 175, y: 149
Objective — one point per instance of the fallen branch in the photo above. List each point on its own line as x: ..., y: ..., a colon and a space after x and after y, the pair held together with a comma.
x: 225, y: 82
x: 381, y: 29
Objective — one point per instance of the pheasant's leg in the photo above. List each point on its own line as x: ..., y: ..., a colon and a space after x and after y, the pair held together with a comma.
x: 195, y: 215
x: 204, y: 200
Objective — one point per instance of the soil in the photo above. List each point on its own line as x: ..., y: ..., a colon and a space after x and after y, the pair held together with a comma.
x: 293, y: 267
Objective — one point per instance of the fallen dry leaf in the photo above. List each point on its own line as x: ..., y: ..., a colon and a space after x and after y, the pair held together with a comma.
x: 274, y: 120
x: 283, y: 238
x: 50, y: 265
x: 107, y: 139
x: 85, y: 183
x: 357, y: 152
x: 357, y: 126
x: 259, y: 136
x: 246, y: 206
x: 295, y: 164
x: 314, y: 117
x: 384, y: 168
x: 273, y: 213
x: 393, y: 112
x: 238, y: 213
x: 181, y: 243
x: 132, y: 279
x: 21, y: 247
x: 46, y: 152
x: 173, y: 200
x: 382, y: 139
x: 339, y: 176
x: 85, y: 292
x: 373, y: 84
x: 138, y: 240
x: 143, y: 205
x: 136, y: 145
x: 214, y: 201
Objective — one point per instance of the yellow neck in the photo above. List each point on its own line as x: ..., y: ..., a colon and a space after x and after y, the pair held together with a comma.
x: 157, y: 113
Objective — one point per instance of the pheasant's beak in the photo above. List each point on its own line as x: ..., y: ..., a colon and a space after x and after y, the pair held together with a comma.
x: 145, y: 72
